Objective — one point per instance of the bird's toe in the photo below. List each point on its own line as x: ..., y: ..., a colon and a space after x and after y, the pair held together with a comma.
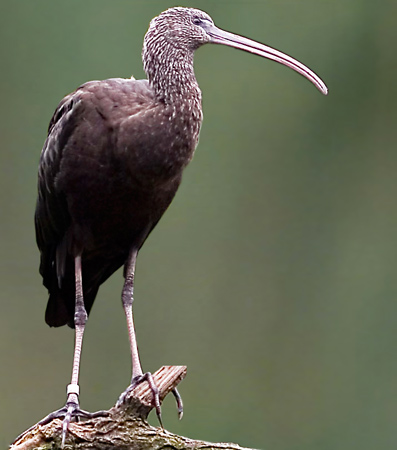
x: 156, y: 402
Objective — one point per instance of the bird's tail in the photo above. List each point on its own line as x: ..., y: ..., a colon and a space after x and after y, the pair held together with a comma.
x: 61, y: 303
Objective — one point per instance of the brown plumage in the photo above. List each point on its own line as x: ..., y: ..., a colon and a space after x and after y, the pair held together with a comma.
x: 101, y: 189
x: 110, y: 167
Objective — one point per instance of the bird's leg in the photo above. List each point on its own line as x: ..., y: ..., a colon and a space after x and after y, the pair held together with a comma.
x: 127, y: 299
x: 80, y: 319
x: 137, y: 374
x: 71, y: 410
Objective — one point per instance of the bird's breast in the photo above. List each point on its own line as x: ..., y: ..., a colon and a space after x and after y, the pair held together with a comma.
x: 158, y: 142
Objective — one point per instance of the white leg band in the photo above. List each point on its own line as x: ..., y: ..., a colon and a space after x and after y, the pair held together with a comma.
x: 73, y: 389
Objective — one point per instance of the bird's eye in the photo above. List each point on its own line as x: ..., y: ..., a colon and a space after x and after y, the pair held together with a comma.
x: 197, y: 21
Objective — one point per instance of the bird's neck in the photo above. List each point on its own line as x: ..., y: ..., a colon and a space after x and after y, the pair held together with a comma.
x: 171, y: 76
x: 170, y: 73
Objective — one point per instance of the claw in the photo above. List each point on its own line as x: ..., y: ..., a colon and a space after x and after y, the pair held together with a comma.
x: 70, y: 412
x: 179, y: 403
x: 156, y: 398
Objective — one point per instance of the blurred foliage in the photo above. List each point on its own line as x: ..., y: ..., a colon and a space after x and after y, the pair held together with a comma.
x: 273, y: 274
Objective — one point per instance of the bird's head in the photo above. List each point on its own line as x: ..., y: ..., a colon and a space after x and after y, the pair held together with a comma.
x: 182, y: 30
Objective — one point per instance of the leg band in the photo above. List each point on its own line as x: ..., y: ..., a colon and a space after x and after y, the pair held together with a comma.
x: 73, y: 389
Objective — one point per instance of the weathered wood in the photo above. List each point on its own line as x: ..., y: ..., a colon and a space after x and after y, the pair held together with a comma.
x: 124, y: 429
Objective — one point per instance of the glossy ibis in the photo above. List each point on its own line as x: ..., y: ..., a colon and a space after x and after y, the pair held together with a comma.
x: 110, y: 167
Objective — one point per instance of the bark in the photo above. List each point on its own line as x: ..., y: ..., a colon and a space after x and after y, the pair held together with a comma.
x: 125, y: 428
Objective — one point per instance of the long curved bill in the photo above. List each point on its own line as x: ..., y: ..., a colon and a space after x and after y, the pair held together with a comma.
x: 219, y: 36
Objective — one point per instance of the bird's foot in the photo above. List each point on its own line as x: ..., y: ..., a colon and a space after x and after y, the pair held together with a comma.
x: 155, y: 392
x: 134, y: 383
x: 179, y: 403
x: 71, y: 412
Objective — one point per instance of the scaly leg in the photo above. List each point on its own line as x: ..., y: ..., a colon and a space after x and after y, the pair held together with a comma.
x: 127, y: 299
x: 137, y: 374
x: 80, y: 319
x: 71, y: 410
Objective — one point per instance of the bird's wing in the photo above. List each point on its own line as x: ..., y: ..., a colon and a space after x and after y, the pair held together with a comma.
x: 52, y: 218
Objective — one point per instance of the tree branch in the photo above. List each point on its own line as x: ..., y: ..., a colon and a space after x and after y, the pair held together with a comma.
x: 125, y: 428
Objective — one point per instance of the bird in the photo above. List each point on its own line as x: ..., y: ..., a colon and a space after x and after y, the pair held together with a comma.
x: 111, y: 164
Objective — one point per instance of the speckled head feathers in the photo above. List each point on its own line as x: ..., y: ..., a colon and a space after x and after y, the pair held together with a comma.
x: 181, y: 27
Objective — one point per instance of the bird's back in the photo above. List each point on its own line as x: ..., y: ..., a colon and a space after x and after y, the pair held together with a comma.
x: 110, y: 166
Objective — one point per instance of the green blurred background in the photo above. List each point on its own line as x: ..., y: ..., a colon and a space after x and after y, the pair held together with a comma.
x: 273, y: 274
